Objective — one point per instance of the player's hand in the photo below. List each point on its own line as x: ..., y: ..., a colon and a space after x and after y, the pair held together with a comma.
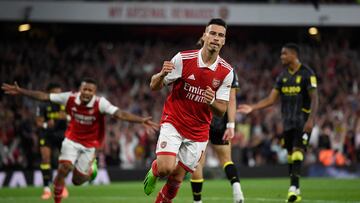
x: 228, y: 134
x: 308, y: 126
x: 244, y: 108
x: 150, y: 125
x: 209, y: 95
x: 11, y: 89
x: 168, y: 66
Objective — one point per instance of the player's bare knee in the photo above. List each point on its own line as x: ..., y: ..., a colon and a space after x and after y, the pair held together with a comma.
x: 165, y: 171
x: 45, y: 160
x: 224, y: 160
x: 64, y: 169
x: 164, y: 168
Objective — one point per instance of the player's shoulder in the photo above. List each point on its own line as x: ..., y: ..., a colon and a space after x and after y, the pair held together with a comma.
x: 102, y: 100
x: 225, y: 64
x: 283, y: 74
x: 307, y: 70
x: 188, y: 54
x: 73, y: 93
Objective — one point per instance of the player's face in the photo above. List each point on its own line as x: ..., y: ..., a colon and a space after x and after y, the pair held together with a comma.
x: 214, y: 38
x: 87, y: 91
x: 287, y: 56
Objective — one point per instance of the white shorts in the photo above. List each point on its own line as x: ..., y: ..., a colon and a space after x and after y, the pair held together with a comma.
x: 187, y: 152
x: 80, y: 156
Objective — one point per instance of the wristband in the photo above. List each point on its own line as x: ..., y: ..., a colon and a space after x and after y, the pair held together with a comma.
x: 230, y: 125
x: 212, y: 101
x: 45, y: 125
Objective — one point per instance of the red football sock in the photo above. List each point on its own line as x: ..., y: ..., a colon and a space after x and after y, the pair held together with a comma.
x: 58, y: 189
x: 169, y: 191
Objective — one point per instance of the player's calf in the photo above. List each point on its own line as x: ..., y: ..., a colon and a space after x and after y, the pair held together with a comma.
x: 59, y: 182
x: 79, y: 178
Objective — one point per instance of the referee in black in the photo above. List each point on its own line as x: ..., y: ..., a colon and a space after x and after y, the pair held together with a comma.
x: 297, y: 88
x: 51, y: 123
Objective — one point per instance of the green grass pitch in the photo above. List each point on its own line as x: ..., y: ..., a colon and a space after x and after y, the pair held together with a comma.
x: 319, y: 190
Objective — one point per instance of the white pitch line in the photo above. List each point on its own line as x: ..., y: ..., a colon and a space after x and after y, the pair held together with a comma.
x: 211, y: 199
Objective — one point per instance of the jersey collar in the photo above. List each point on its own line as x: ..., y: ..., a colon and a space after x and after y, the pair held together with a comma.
x: 293, y: 72
x: 201, y: 63
x: 89, y: 105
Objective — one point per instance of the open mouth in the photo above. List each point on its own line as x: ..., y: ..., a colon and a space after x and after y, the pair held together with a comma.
x: 215, y: 44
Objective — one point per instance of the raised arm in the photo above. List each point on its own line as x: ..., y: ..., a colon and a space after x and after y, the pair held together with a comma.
x: 268, y: 101
x: 145, y: 121
x: 157, y: 80
x: 16, y: 90
x: 170, y: 72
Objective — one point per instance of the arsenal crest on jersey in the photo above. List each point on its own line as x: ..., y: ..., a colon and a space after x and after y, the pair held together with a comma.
x: 215, y: 83
x: 163, y: 144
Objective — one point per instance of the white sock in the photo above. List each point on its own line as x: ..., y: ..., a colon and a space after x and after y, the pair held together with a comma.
x: 237, y: 192
x: 297, y: 191
x: 198, y: 201
x: 47, y: 189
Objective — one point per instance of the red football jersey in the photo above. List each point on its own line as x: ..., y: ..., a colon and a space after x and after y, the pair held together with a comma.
x: 185, y: 106
x: 87, y: 125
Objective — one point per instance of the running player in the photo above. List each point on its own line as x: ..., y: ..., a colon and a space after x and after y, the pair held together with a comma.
x: 85, y: 131
x: 201, y: 82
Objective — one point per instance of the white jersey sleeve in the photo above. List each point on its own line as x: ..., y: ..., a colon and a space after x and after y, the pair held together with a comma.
x: 60, y: 98
x: 223, y: 93
x: 176, y: 72
x: 106, y: 107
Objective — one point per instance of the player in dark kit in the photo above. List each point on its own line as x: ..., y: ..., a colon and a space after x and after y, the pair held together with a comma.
x: 221, y: 132
x: 297, y: 88
x: 51, y: 123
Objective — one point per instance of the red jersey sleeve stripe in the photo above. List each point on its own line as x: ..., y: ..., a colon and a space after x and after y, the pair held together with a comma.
x: 166, y: 153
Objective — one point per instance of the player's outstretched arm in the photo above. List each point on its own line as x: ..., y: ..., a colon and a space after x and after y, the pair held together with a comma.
x: 150, y: 125
x: 157, y: 79
x: 16, y: 90
x: 268, y: 101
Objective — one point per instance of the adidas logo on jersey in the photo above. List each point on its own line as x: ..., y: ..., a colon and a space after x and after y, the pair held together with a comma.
x: 191, y: 77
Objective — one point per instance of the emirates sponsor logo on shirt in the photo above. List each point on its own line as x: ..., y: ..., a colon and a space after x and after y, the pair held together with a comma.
x: 194, y: 93
x: 83, y: 119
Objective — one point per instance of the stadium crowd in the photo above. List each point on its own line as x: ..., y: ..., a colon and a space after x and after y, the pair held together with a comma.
x: 123, y: 70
